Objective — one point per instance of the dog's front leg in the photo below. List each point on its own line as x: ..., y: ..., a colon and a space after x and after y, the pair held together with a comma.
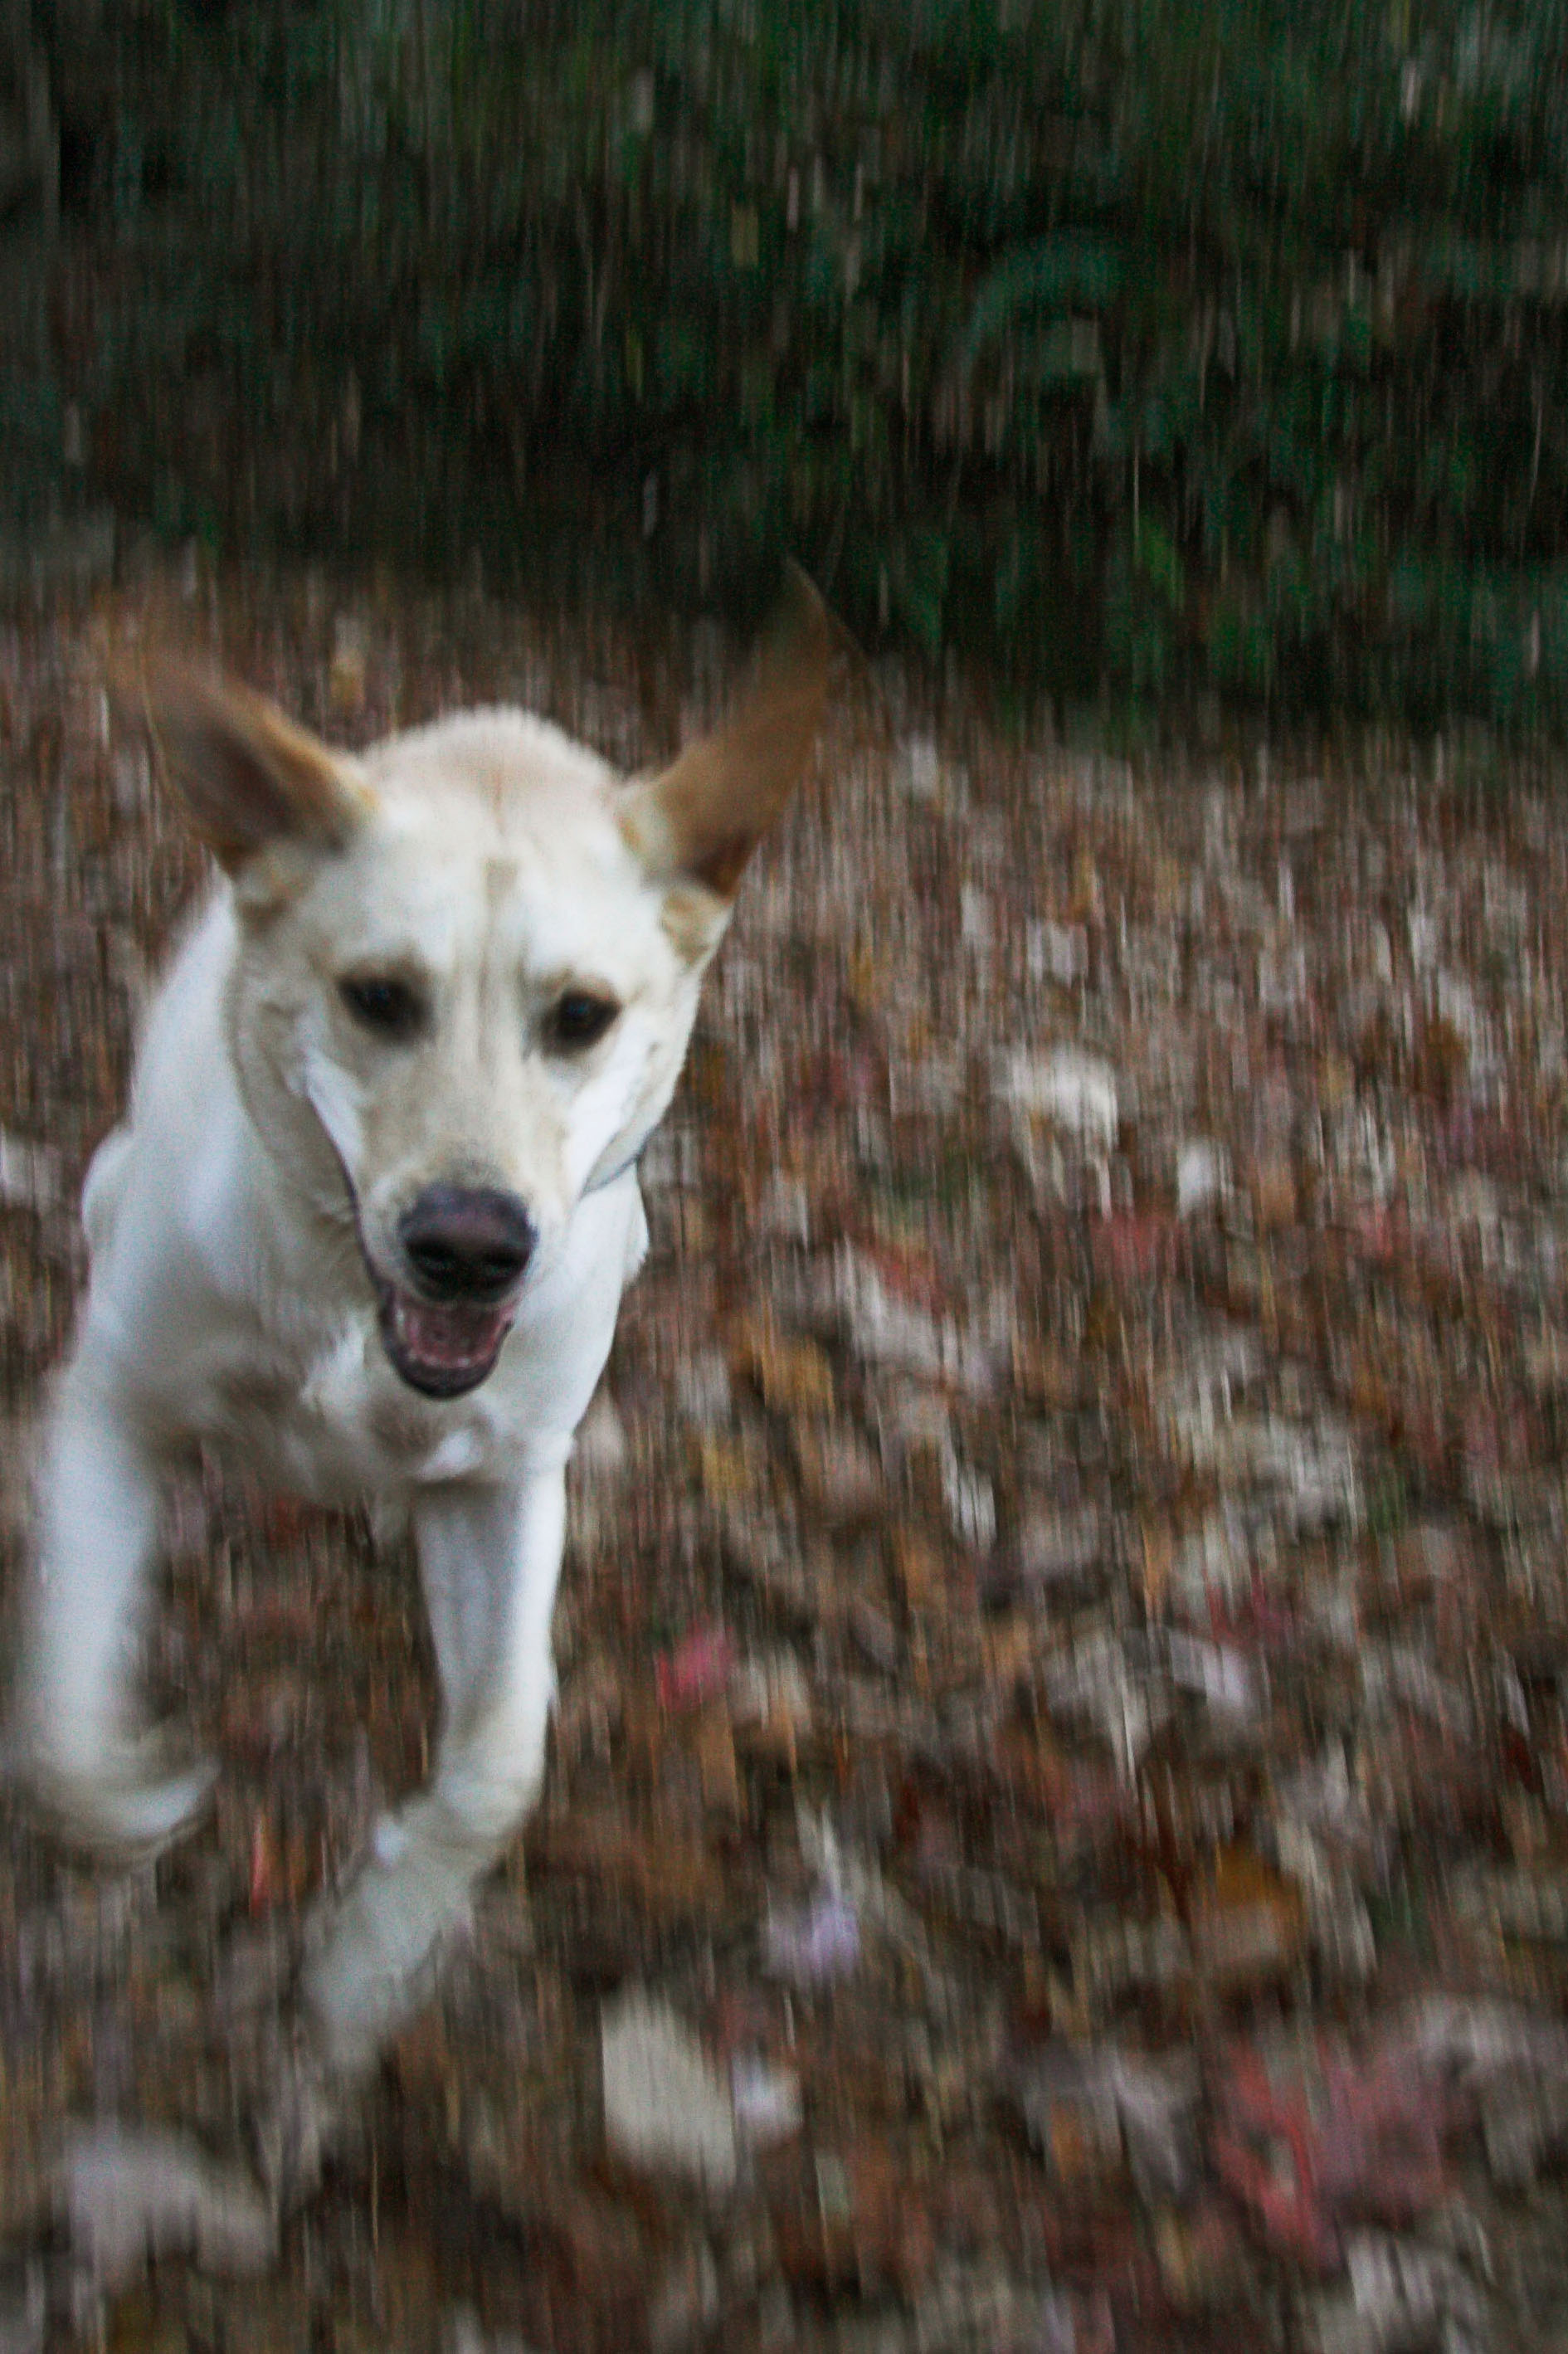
x: 489, y: 1558
x: 110, y: 1780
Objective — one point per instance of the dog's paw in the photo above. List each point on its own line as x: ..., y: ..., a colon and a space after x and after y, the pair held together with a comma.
x: 380, y: 1945
x: 124, y: 1800
x: 303, y: 2110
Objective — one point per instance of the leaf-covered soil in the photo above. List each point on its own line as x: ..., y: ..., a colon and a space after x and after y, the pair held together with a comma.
x: 1058, y: 1829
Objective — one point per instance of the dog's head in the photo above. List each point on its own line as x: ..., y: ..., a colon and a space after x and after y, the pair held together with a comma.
x: 470, y: 960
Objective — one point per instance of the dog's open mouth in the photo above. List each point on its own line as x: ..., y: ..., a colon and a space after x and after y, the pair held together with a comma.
x: 442, y: 1349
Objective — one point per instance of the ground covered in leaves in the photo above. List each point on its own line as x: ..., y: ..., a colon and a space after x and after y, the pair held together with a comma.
x: 1056, y: 1837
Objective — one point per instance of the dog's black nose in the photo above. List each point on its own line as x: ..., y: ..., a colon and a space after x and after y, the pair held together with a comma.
x: 465, y: 1243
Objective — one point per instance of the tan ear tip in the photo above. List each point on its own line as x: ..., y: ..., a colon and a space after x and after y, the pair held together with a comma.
x: 799, y: 609
x: 126, y: 683
x: 807, y: 621
x: 173, y: 696
x: 800, y: 589
x: 161, y: 696
x: 158, y: 690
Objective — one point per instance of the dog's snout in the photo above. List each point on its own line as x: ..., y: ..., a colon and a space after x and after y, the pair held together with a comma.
x: 464, y: 1243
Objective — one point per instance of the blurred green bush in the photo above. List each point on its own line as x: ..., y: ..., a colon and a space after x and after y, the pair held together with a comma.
x: 1130, y: 345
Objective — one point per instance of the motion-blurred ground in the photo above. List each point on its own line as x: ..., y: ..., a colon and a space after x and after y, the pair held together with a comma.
x: 1062, y: 1770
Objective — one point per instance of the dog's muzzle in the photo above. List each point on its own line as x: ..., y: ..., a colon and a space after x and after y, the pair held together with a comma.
x: 467, y: 1248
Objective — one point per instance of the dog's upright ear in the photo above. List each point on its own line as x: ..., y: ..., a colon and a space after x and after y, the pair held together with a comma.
x: 699, y: 820
x: 250, y: 780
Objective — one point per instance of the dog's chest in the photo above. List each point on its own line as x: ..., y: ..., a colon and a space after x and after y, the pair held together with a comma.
x: 326, y: 1418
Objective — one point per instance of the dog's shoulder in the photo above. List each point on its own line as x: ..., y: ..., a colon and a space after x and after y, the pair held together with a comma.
x: 182, y: 1045
x: 102, y: 1187
x: 162, y: 1203
x: 179, y: 1054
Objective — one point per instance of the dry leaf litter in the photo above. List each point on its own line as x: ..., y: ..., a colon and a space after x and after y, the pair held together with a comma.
x: 1056, y: 1837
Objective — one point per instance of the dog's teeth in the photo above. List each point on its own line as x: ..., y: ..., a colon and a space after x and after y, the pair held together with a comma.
x: 452, y: 1340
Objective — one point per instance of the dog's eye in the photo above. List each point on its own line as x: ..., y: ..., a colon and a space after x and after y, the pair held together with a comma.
x: 383, y: 1003
x: 579, y: 1019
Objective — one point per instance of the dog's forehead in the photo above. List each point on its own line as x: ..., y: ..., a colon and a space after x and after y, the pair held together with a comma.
x: 494, y: 828
x: 507, y: 768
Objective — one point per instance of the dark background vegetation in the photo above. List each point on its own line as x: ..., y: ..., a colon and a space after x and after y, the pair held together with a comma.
x: 1139, y: 349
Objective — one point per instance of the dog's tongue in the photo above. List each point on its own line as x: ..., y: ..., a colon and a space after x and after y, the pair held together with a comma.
x: 450, y: 1339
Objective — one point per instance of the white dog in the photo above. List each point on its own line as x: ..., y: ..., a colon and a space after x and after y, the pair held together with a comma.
x: 370, y: 1217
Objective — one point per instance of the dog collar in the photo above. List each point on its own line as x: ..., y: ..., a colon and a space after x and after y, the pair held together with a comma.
x: 619, y: 1171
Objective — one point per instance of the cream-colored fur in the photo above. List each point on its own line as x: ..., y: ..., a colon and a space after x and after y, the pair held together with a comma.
x: 245, y: 1225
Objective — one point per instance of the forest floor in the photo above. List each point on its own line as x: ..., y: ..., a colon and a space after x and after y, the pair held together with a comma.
x: 1061, y: 1774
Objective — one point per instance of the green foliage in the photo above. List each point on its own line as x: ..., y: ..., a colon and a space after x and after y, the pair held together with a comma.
x: 1056, y: 275
x: 1116, y: 341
